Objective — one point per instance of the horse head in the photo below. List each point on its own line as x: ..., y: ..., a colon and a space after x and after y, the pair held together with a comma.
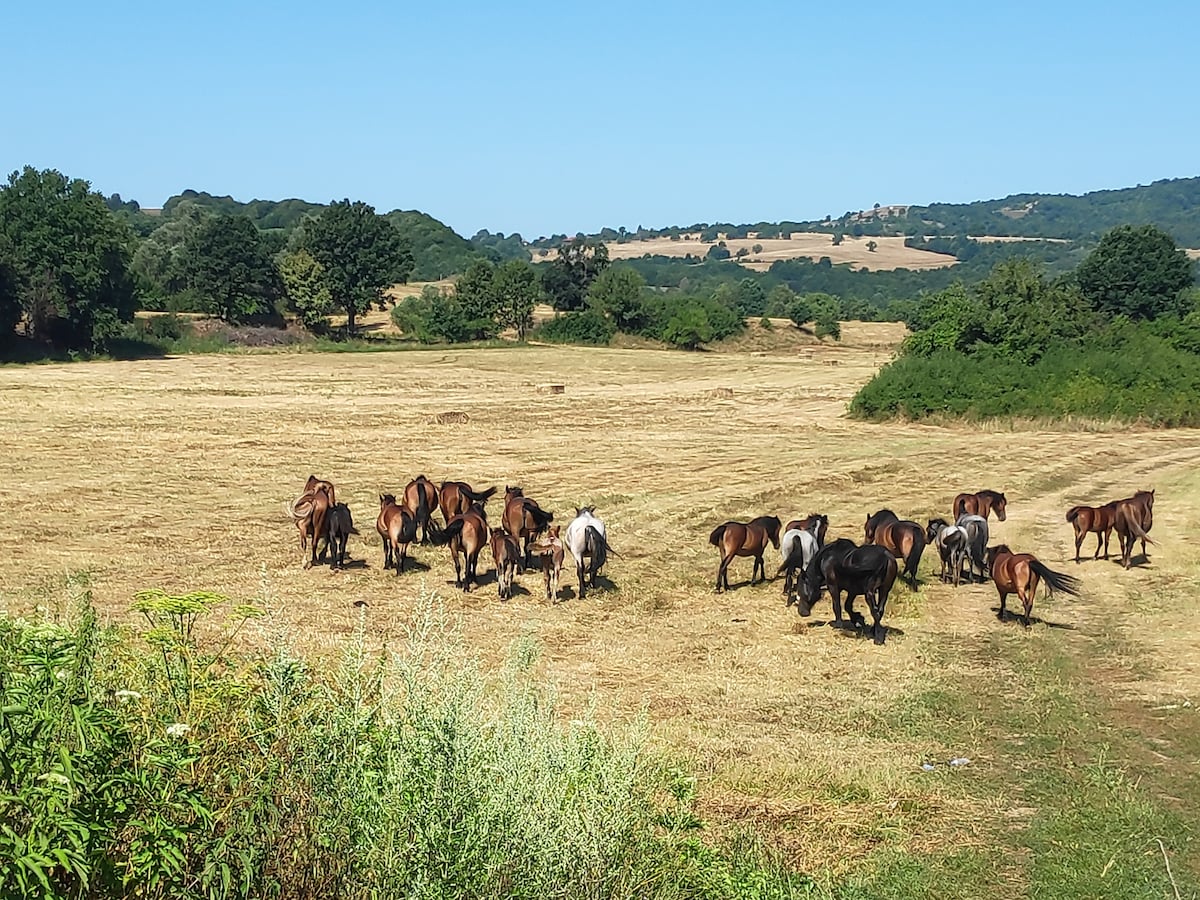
x: 1000, y: 504
x: 935, y: 528
x: 771, y: 524
x: 386, y: 499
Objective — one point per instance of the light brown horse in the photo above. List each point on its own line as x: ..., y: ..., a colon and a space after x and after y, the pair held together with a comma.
x: 1100, y: 519
x: 1020, y: 574
x: 421, y: 499
x: 507, y: 555
x: 981, y: 503
x: 549, y: 548
x: 467, y: 535
x: 315, y: 484
x: 309, y: 513
x: 523, y: 518
x: 1132, y: 521
x: 744, y: 539
x: 456, y: 497
x: 903, y: 538
x: 817, y: 523
x: 398, y: 528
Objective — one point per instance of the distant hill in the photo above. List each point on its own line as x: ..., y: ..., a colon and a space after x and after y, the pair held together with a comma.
x: 438, y: 250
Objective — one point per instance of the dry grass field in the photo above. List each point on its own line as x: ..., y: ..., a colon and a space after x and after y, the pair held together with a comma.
x: 890, y: 252
x: 1082, y: 732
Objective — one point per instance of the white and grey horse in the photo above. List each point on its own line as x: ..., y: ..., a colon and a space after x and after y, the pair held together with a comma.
x: 952, y: 545
x: 587, y: 540
x: 798, y: 546
x: 977, y: 541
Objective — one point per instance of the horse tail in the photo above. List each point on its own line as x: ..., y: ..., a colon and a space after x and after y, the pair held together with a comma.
x: 1136, y: 527
x: 598, y: 545
x: 960, y: 506
x: 453, y: 528
x: 541, y: 518
x: 1073, y: 513
x: 479, y: 496
x: 715, y: 537
x: 422, y: 504
x: 1057, y: 581
x: 913, y: 562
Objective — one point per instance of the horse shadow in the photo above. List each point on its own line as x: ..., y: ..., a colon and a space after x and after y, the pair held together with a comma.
x: 1010, y: 616
x: 603, y: 585
x: 352, y: 564
x: 412, y: 564
x: 1140, y: 561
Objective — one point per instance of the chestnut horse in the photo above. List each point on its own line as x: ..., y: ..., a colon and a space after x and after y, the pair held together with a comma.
x: 744, y: 539
x: 421, y: 499
x: 981, y: 503
x: 903, y: 537
x: 456, y: 497
x: 1019, y: 573
x: 309, y: 513
x: 549, y: 548
x: 523, y: 518
x: 1132, y: 520
x: 398, y: 528
x: 1100, y: 519
x: 817, y: 523
x: 841, y: 566
x: 507, y: 555
x: 467, y: 534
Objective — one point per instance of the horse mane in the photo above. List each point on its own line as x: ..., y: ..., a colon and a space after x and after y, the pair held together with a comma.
x: 994, y: 496
x: 387, y: 498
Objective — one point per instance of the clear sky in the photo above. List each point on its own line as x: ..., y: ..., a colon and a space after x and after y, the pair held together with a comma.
x: 566, y: 117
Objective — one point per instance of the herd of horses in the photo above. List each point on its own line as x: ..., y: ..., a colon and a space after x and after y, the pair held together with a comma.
x: 892, y: 547
x: 812, y: 566
x: 525, y: 530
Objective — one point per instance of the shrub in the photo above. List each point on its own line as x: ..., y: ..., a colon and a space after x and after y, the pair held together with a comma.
x: 587, y: 327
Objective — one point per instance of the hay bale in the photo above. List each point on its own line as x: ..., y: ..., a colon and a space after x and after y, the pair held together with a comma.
x: 721, y: 393
x: 453, y: 417
x: 551, y: 388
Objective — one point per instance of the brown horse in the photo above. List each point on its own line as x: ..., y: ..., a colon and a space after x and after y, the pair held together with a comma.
x: 817, y: 523
x: 1019, y: 573
x: 981, y: 503
x: 316, y: 484
x: 467, y: 534
x: 421, y: 499
x: 507, y: 555
x: 524, y: 519
x: 1100, y: 519
x: 549, y: 548
x: 903, y: 538
x: 341, y: 526
x: 1132, y: 520
x: 309, y: 513
x: 456, y: 497
x: 398, y: 528
x: 744, y: 539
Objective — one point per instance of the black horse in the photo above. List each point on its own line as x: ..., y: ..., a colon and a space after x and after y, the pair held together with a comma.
x: 841, y: 566
x: 341, y: 526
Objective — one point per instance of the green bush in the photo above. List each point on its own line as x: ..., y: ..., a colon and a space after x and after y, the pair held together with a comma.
x: 587, y: 327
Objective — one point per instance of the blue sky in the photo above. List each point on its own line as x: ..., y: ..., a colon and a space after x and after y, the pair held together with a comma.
x: 544, y: 118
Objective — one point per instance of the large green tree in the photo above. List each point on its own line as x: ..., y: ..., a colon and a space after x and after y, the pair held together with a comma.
x: 305, y: 288
x: 67, y: 260
x: 567, y: 278
x: 362, y: 254
x: 158, y: 260
x: 230, y: 270
x: 1135, y: 271
x: 618, y: 293
x: 475, y: 294
x: 516, y: 289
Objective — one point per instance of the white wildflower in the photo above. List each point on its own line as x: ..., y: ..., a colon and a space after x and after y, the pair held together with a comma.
x: 61, y: 675
x: 55, y: 777
x: 126, y: 696
x: 178, y: 730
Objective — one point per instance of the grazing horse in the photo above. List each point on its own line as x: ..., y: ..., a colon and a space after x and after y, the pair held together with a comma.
x: 421, y: 499
x: 869, y: 570
x: 341, y: 526
x: 977, y: 541
x: 951, y: 543
x: 981, y: 503
x: 817, y: 523
x: 1100, y: 519
x: 523, y: 518
x: 507, y: 555
x: 398, y: 528
x: 466, y: 533
x: 309, y: 512
x: 550, y: 549
x: 1019, y: 573
x: 587, y: 540
x: 1132, y: 520
x: 903, y: 537
x: 798, y: 546
x: 744, y: 539
x: 456, y: 497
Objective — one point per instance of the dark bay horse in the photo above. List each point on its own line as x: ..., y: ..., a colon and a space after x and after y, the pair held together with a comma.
x: 467, y: 534
x: 398, y: 528
x: 1020, y: 573
x: 981, y: 503
x: 903, y: 537
x: 421, y: 499
x: 1100, y: 519
x: 456, y: 497
x: 817, y: 523
x: 523, y: 518
x: 341, y: 526
x: 869, y: 571
x: 1132, y: 520
x: 744, y: 539
x: 506, y: 553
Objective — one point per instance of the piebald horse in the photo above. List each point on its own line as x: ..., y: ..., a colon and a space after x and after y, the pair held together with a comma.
x: 744, y: 539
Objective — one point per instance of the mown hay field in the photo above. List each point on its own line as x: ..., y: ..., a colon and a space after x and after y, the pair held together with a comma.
x: 173, y: 473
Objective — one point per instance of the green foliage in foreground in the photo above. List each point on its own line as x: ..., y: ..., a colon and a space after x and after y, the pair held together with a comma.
x: 162, y: 766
